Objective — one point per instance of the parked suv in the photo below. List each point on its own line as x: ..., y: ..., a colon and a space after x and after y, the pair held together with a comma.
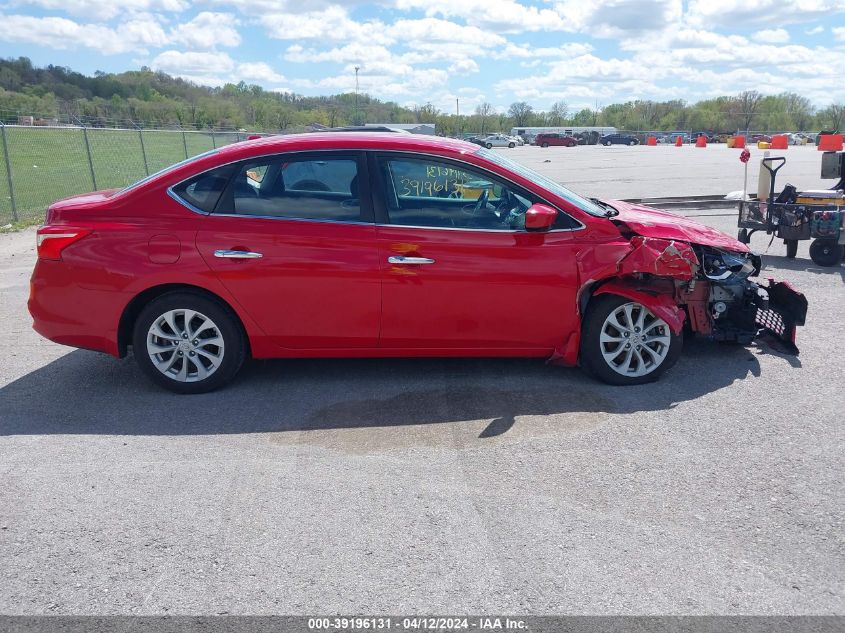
x: 544, y: 140
x: 619, y: 139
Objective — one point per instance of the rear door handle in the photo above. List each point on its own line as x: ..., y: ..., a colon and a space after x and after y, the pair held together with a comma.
x: 400, y: 259
x: 237, y: 254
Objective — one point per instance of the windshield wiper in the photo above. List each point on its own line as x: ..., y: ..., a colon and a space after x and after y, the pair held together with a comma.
x: 610, y: 211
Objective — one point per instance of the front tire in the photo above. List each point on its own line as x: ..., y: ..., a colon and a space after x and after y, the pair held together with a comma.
x: 607, y: 143
x: 624, y: 343
x: 188, y: 343
x: 544, y: 145
x: 489, y: 146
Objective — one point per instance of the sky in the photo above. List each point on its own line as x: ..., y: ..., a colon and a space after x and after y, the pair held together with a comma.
x: 583, y: 52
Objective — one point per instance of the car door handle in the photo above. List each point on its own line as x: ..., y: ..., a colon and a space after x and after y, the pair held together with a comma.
x: 401, y: 259
x: 237, y: 254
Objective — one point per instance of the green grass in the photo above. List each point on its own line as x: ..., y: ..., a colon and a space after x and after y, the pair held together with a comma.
x: 49, y: 163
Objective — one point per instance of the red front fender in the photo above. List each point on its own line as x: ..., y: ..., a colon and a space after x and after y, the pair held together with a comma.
x: 661, y: 303
x: 659, y: 300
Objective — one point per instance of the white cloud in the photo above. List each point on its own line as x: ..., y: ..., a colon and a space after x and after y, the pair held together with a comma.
x: 772, y: 36
x: 429, y: 30
x: 564, y: 51
x: 332, y: 23
x: 839, y: 33
x: 503, y: 16
x: 105, y: 9
x: 61, y: 33
x: 730, y: 13
x: 136, y: 34
x: 210, y: 68
x: 259, y: 71
x: 815, y: 30
x: 207, y: 31
x: 215, y: 68
x: 355, y: 52
x: 604, y: 18
x: 614, y: 18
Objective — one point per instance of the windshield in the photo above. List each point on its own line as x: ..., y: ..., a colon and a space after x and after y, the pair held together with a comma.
x: 557, y: 189
x: 166, y: 169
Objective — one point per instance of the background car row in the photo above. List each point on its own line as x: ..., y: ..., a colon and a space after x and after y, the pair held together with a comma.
x: 553, y: 139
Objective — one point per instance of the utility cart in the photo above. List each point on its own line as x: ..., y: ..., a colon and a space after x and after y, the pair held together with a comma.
x: 793, y: 216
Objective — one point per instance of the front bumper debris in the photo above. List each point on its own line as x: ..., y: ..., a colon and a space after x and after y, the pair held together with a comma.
x: 787, y: 309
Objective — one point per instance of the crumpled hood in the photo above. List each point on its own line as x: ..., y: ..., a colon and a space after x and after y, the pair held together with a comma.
x: 658, y: 223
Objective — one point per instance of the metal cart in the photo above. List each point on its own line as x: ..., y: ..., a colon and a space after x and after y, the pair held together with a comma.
x: 781, y: 217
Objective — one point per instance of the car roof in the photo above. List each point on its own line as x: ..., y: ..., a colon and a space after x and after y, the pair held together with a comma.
x: 348, y: 140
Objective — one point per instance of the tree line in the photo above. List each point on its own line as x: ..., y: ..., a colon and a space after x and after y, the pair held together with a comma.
x: 154, y: 99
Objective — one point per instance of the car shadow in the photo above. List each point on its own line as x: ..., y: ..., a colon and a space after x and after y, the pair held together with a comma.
x: 89, y: 393
x: 779, y: 262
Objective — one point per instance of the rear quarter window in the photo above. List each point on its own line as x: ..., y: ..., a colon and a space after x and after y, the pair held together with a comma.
x: 204, y: 191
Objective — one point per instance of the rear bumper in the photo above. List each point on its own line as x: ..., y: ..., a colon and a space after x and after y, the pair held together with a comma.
x: 66, y: 313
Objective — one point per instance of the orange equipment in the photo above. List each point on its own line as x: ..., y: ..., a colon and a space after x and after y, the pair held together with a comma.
x: 780, y: 141
x: 830, y: 143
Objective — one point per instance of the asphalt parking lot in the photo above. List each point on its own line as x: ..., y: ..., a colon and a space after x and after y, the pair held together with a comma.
x: 623, y: 172
x: 427, y: 486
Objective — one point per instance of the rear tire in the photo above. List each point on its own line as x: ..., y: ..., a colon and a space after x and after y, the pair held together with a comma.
x: 544, y: 145
x: 607, y: 143
x: 188, y: 343
x: 791, y: 248
x: 511, y: 145
x: 826, y: 252
x: 612, y: 349
x: 631, y: 143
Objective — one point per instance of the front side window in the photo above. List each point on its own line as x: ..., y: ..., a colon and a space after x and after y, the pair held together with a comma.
x: 301, y: 188
x: 431, y: 193
x: 550, y: 185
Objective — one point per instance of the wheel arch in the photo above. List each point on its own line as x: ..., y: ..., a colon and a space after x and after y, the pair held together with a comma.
x: 655, y: 294
x: 134, y: 307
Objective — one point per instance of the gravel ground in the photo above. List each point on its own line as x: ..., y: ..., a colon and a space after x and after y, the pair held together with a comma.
x: 428, y: 486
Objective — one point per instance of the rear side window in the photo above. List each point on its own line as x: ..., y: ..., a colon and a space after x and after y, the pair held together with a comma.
x: 296, y: 187
x: 204, y: 191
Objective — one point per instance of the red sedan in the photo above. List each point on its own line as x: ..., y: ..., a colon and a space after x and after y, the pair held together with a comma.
x: 384, y: 245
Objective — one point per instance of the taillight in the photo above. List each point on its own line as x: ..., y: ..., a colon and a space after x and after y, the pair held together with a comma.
x: 52, y: 240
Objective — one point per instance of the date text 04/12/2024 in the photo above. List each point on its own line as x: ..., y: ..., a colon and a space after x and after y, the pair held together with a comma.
x: 419, y: 623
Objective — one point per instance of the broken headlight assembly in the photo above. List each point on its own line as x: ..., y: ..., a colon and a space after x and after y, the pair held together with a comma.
x: 719, y: 265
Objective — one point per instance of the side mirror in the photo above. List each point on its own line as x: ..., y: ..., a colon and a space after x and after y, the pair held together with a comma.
x: 540, y: 217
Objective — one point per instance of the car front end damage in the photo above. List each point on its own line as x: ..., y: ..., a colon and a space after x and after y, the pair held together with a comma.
x: 710, y: 289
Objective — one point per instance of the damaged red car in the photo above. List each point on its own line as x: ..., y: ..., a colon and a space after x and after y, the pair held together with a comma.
x: 386, y: 245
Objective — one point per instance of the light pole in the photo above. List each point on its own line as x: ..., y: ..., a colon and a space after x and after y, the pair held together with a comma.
x: 357, y: 121
x: 458, y: 115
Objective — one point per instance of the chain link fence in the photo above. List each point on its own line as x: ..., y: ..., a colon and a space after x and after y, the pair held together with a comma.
x: 40, y: 164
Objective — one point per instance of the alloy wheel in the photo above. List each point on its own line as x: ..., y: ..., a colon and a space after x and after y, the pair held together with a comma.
x: 634, y: 342
x: 185, y: 345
